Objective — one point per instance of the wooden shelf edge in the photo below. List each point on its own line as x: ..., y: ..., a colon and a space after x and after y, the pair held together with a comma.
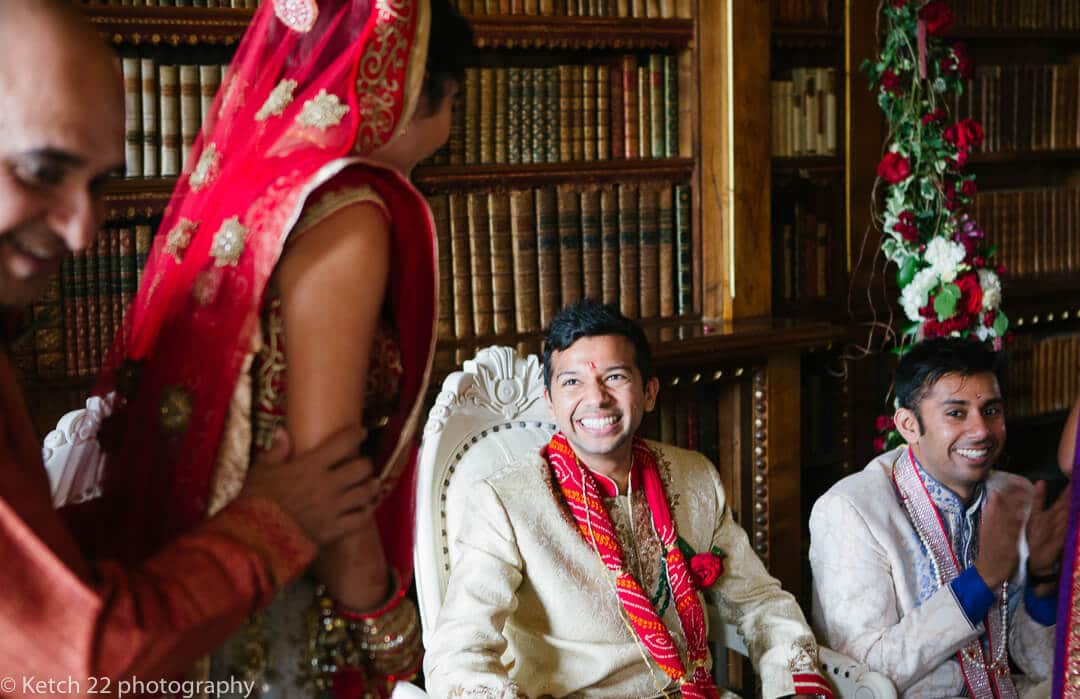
x: 171, y: 26
x: 807, y: 36
x: 988, y: 33
x: 176, y: 26
x: 441, y: 178
x: 811, y: 164
x: 543, y: 31
x: 143, y: 197
x: 1034, y: 156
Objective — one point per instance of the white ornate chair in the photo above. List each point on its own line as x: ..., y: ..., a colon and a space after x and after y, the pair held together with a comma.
x: 491, y: 409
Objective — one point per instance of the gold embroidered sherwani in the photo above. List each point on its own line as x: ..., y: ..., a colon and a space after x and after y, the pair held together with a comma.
x: 531, y: 611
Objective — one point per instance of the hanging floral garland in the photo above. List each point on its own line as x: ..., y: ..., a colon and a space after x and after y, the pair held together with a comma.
x: 948, y: 284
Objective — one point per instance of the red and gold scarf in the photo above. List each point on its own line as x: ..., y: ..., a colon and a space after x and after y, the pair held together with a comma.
x: 582, y: 495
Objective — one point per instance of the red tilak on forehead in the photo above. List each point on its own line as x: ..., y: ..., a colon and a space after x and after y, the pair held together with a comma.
x: 592, y: 365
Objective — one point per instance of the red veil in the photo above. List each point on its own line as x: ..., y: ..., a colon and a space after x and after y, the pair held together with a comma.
x: 295, y: 108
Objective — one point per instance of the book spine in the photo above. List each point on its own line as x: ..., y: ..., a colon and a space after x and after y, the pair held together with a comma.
x: 538, y: 105
x: 552, y: 117
x: 190, y: 118
x: 526, y: 288
x: 502, y: 263
x: 143, y: 235
x: 547, y: 243
x: 589, y: 115
x: 93, y: 313
x: 569, y: 243
x: 472, y: 116
x: 592, y: 266
x: 684, y: 280
x: 609, y: 245
x: 133, y: 126
x: 209, y: 82
x: 502, y: 130
x: 480, y: 245
x: 666, y: 235
x: 48, y: 319
x: 151, y: 134
x: 603, y: 112
x: 577, y: 113
x: 566, y: 113
x: 460, y: 257
x: 648, y: 251
x: 671, y: 107
x: 128, y: 272
x: 486, y: 116
x: 617, y: 117
x: 169, y: 108
x: 528, y: 94
x: 440, y: 213
x: 456, y: 142
x: 629, y: 260
x: 656, y: 105
x: 67, y: 303
x: 644, y: 112
x: 631, y: 130
x: 108, y: 287
x: 513, y: 115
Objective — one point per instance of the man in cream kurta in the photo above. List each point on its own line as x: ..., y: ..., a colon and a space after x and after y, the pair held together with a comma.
x: 877, y: 593
x: 531, y: 610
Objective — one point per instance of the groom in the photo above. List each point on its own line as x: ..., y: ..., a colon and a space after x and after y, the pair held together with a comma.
x: 582, y: 570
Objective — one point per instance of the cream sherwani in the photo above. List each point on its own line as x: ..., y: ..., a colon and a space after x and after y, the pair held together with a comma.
x: 531, y: 611
x: 877, y: 600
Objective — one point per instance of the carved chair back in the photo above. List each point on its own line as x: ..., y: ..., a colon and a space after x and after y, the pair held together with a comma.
x: 486, y: 416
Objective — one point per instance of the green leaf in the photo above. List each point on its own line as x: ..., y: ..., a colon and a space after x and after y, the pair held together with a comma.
x: 945, y: 301
x: 991, y: 251
x: 907, y: 271
x: 1001, y: 324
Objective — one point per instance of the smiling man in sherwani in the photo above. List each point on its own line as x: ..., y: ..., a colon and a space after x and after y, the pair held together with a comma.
x: 930, y: 566
x: 581, y: 570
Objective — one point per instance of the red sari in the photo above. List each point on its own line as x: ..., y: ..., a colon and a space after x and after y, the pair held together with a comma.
x: 296, y: 109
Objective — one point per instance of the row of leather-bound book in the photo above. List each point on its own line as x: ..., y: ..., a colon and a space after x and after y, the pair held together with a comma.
x: 627, y: 107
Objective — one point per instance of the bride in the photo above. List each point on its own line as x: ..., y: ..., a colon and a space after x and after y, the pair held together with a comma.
x: 293, y: 286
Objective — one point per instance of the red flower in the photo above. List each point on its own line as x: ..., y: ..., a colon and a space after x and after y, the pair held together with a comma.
x: 978, y: 261
x: 968, y: 188
x: 899, y: 3
x: 879, y: 444
x: 891, y: 82
x: 970, y: 294
x: 964, y: 65
x: 705, y: 568
x: 973, y: 132
x: 884, y: 423
x: 906, y: 227
x: 1001, y: 270
x: 894, y: 168
x: 933, y: 117
x: 949, y: 191
x: 938, y: 17
x: 988, y: 319
x: 943, y: 328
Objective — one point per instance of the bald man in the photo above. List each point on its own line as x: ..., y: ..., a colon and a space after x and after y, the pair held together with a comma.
x: 67, y: 625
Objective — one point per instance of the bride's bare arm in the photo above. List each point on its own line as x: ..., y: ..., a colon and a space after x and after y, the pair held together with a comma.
x: 333, y: 280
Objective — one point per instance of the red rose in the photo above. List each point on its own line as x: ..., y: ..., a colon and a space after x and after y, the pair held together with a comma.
x: 906, y: 227
x: 968, y: 188
x: 894, y: 168
x: 973, y: 132
x: 933, y: 117
x: 705, y: 568
x: 938, y: 17
x: 970, y: 294
x: 884, y: 423
x: 899, y: 3
x: 891, y: 82
x: 879, y: 444
x: 950, y: 195
x: 956, y: 136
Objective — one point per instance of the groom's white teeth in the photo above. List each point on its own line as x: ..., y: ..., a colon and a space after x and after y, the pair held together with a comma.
x: 598, y: 422
x: 973, y: 453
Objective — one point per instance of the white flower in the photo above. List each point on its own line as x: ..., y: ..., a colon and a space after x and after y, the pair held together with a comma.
x: 944, y: 256
x: 991, y: 288
x: 917, y: 293
x: 984, y: 333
